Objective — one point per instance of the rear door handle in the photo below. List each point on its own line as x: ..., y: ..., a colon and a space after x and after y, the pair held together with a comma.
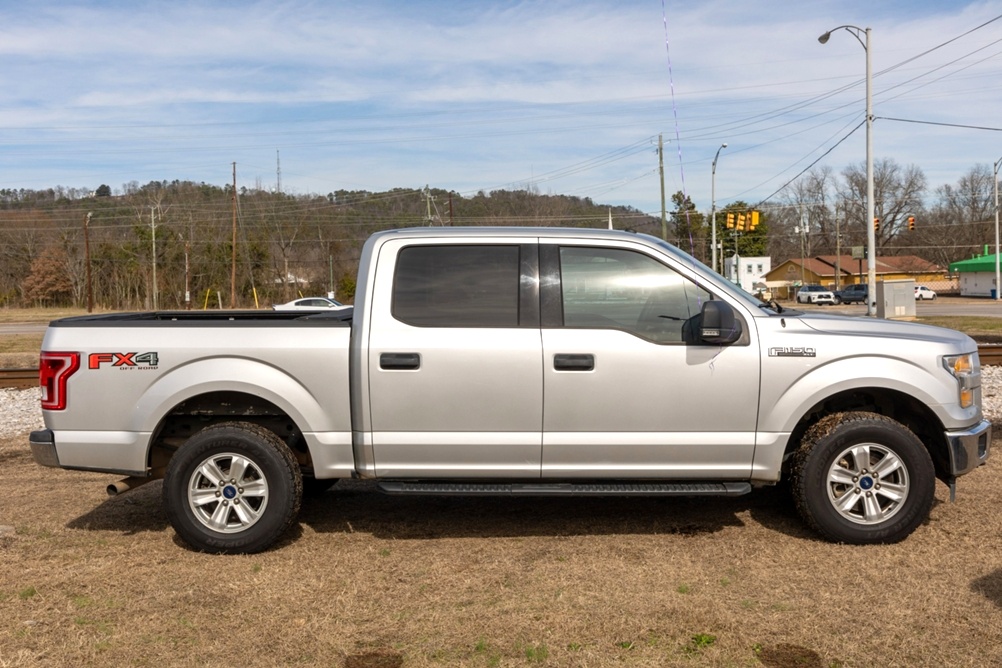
x: 399, y: 361
x: 574, y: 362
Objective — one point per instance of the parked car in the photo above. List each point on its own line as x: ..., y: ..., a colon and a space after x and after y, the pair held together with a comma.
x: 311, y: 304
x: 815, y: 294
x: 852, y: 294
x: 922, y: 292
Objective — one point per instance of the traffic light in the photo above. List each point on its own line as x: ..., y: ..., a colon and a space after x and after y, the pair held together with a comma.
x: 753, y: 221
x: 730, y: 221
x: 876, y: 224
x: 911, y: 223
x: 741, y: 222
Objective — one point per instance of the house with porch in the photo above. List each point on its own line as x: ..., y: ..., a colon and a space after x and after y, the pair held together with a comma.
x: 836, y: 272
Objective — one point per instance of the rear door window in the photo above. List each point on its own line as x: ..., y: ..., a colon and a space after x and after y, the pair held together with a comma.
x: 457, y: 286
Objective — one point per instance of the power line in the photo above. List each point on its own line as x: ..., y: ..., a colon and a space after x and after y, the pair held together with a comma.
x: 949, y: 125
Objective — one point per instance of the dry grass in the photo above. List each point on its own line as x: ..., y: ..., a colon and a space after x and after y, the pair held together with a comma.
x: 21, y: 343
x: 19, y: 351
x: 366, y: 580
x: 38, y: 314
x: 972, y: 325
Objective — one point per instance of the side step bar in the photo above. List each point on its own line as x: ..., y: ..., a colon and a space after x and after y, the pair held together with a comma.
x: 566, y: 489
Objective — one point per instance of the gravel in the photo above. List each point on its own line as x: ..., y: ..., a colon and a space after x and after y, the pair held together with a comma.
x: 21, y: 413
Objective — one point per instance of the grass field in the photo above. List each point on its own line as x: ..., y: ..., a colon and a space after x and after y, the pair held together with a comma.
x: 370, y: 580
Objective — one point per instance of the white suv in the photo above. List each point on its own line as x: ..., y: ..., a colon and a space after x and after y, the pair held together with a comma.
x: 815, y: 294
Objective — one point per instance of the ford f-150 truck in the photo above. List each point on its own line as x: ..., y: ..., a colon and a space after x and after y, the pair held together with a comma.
x: 516, y: 361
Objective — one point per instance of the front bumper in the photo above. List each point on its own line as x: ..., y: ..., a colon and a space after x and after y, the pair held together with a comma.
x: 969, y: 448
x: 43, y: 447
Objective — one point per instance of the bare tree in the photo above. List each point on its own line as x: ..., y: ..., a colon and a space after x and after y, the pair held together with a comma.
x: 898, y: 193
x: 962, y: 220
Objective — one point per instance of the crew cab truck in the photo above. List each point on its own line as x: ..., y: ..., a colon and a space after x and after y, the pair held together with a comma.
x: 516, y: 361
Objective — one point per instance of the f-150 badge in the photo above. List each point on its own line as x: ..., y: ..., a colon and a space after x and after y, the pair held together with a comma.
x: 792, y: 352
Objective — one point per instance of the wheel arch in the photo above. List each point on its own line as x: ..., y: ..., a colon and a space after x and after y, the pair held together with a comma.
x: 200, y: 411
x: 899, y: 406
x: 202, y: 393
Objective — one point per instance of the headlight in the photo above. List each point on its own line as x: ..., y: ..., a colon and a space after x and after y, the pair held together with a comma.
x: 967, y: 370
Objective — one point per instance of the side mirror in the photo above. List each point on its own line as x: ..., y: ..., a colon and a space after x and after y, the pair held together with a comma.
x: 720, y: 324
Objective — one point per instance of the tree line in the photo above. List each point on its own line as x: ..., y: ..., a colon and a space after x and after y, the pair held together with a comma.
x: 170, y: 245
x: 182, y: 232
x: 824, y: 213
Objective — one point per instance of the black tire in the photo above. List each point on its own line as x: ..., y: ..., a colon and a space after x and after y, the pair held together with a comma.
x: 862, y: 478
x: 236, y: 462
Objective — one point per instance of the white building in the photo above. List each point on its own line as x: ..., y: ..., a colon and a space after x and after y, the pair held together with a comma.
x: 751, y: 272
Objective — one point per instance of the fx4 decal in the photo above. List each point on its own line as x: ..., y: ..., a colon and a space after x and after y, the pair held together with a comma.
x: 123, y: 360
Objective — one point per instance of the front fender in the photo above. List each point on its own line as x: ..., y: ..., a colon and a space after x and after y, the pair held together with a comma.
x: 783, y: 409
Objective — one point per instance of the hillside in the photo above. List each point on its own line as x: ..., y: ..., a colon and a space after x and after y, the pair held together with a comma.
x: 285, y: 244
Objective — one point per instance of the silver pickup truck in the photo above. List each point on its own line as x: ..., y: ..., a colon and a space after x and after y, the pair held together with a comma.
x: 516, y: 361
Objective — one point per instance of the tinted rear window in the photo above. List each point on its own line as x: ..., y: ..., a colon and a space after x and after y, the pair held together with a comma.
x: 457, y: 286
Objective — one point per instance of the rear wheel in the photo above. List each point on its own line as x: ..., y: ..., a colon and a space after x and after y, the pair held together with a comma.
x: 232, y: 488
x: 863, y: 478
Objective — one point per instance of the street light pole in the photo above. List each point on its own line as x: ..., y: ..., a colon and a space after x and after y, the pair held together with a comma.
x: 713, y: 206
x: 998, y: 287
x: 871, y: 233
x: 661, y: 175
x: 153, y: 234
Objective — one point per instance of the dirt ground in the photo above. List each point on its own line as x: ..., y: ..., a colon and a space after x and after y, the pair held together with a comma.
x: 370, y: 581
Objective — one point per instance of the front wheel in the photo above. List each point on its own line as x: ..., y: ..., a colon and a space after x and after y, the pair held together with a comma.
x: 232, y: 488
x: 863, y: 478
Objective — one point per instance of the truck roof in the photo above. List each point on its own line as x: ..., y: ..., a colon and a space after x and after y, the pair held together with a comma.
x: 556, y: 232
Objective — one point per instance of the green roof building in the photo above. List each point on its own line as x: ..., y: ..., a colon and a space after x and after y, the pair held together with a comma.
x: 977, y: 275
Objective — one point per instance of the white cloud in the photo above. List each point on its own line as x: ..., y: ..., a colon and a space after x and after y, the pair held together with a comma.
x: 484, y: 94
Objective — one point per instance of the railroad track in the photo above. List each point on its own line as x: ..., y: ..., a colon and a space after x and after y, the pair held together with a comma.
x: 18, y: 378
x: 990, y: 354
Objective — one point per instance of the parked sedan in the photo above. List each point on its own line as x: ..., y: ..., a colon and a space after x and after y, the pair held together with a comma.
x: 922, y: 292
x: 815, y: 294
x: 852, y: 294
x: 311, y: 304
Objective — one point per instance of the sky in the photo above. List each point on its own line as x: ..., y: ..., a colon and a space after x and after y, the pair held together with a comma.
x: 564, y: 97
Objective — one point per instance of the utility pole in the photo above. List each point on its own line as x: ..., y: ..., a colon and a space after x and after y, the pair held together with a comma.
x: 90, y: 291
x: 153, y: 232
x: 838, y: 253
x: 233, y: 261
x: 661, y: 172
x: 330, y: 276
x: 428, y: 199
x: 713, y: 207
x: 187, y: 275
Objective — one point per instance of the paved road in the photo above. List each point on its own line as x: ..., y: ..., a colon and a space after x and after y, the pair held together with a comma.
x: 987, y: 308
x: 22, y: 327
x: 940, y: 306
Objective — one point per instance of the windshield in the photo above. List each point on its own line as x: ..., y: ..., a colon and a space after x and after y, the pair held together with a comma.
x: 724, y: 285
